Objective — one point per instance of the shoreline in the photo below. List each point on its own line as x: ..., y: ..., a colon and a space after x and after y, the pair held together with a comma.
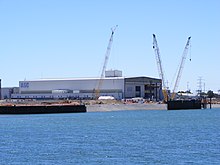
x: 96, y: 106
x: 133, y: 106
x: 124, y: 107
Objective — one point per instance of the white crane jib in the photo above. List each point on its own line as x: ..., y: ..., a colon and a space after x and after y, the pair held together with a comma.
x: 159, y: 66
x: 108, y: 51
x: 185, y: 52
x: 105, y: 61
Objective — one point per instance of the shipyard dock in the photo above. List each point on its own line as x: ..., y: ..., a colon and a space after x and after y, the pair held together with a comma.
x: 41, y: 109
x: 185, y: 104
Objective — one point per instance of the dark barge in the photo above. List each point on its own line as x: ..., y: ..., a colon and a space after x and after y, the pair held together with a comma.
x: 185, y: 104
x: 41, y: 109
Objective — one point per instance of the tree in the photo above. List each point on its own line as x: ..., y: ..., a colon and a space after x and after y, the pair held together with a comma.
x: 210, y: 94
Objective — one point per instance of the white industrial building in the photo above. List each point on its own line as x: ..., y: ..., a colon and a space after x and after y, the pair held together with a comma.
x: 70, y: 88
x: 7, y: 92
x: 85, y: 88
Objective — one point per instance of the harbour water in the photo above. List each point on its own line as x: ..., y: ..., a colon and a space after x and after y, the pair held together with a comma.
x: 125, y: 137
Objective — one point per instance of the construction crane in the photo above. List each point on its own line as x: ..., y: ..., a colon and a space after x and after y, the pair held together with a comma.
x: 185, y: 52
x: 160, y: 68
x: 97, y: 93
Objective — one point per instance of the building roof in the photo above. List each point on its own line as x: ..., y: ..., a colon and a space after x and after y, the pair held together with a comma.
x: 72, y: 79
x: 93, y: 78
x: 142, y: 78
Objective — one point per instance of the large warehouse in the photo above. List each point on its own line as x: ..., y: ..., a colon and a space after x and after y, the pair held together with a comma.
x: 85, y: 88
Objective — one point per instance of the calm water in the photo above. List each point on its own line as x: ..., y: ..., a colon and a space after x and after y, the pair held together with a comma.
x: 126, y: 137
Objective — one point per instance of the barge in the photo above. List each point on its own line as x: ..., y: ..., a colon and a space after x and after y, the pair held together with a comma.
x: 185, y: 104
x: 41, y: 109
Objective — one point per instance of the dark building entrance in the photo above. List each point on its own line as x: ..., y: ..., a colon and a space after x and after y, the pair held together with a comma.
x: 137, y: 91
x: 146, y: 87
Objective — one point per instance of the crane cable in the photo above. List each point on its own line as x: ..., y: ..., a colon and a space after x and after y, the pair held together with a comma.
x: 190, y: 49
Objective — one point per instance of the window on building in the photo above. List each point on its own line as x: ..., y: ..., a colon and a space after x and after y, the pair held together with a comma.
x: 129, y: 89
x: 137, y: 91
x: 137, y: 88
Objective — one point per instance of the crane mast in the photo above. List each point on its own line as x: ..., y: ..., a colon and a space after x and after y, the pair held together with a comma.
x: 185, y: 52
x: 160, y: 68
x: 105, y: 62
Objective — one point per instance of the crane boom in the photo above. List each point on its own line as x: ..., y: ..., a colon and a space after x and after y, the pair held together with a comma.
x: 160, y: 68
x: 105, y: 61
x: 185, y: 52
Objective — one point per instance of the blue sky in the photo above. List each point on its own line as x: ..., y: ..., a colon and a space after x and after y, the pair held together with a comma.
x: 61, y: 39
